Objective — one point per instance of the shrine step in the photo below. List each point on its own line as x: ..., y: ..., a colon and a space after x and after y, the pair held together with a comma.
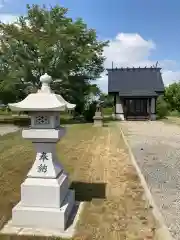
x: 137, y: 118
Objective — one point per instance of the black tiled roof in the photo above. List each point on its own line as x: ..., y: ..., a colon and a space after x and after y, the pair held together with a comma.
x: 135, y: 81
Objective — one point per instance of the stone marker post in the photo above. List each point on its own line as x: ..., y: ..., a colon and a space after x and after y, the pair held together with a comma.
x: 98, y: 119
x: 46, y: 200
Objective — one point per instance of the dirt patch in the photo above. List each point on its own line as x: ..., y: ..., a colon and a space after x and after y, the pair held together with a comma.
x: 175, y: 120
x: 119, y: 212
x: 5, y: 129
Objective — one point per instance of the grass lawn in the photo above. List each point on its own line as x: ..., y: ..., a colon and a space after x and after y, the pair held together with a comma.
x: 108, y: 111
x: 100, y: 172
x: 172, y: 120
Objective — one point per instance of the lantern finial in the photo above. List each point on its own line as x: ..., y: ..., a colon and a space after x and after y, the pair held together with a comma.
x: 45, y: 80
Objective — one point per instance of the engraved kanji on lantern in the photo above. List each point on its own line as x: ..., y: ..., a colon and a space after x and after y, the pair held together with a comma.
x: 46, y: 200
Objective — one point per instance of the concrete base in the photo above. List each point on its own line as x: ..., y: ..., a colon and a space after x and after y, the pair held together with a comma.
x: 98, y: 121
x: 43, y: 217
x: 153, y: 117
x: 45, y: 203
x: 45, y: 192
x: 119, y: 116
x: 69, y: 232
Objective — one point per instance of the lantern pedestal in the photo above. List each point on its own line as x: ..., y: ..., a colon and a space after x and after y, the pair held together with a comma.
x: 46, y: 200
x: 98, y: 119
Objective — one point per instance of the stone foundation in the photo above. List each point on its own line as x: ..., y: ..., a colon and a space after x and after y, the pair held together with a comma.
x: 98, y: 121
x: 44, y: 203
x: 43, y: 217
x: 153, y: 117
x: 119, y: 116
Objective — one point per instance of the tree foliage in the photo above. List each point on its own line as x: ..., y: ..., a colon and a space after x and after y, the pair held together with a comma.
x: 108, y: 100
x: 162, y: 107
x: 172, y: 96
x: 90, y: 111
x: 46, y: 40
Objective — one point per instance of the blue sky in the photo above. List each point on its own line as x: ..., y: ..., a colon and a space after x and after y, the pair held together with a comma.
x: 140, y: 32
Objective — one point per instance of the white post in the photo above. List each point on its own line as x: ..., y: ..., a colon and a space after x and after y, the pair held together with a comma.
x: 148, y: 106
x: 153, y: 107
x: 119, y: 108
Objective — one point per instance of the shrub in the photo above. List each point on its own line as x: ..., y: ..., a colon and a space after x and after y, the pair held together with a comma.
x: 24, y: 121
x: 108, y: 111
x: 16, y: 120
x: 90, y: 112
x: 161, y: 107
x: 174, y: 113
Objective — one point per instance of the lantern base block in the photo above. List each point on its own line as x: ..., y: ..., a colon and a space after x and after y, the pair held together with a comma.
x: 98, y: 121
x: 69, y: 232
x: 44, y: 217
x: 44, y: 192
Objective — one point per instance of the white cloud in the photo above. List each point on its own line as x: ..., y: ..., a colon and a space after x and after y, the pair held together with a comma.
x: 170, y: 76
x: 102, y: 82
x: 2, y: 3
x: 7, y: 18
x: 128, y: 49
x: 131, y: 49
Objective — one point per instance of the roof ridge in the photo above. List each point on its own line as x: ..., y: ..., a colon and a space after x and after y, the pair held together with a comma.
x: 134, y: 69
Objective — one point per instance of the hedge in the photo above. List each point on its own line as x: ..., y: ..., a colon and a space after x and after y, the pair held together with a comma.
x: 16, y: 120
x: 24, y: 120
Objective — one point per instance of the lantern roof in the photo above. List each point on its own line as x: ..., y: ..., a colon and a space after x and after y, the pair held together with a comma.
x: 44, y: 100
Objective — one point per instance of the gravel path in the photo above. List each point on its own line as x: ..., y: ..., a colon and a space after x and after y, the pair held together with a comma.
x: 4, y: 129
x: 156, y: 147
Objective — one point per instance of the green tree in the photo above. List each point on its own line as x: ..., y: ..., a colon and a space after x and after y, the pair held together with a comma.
x: 162, y: 107
x: 94, y: 93
x: 46, y: 40
x: 172, y: 96
x: 108, y: 100
x: 95, y: 90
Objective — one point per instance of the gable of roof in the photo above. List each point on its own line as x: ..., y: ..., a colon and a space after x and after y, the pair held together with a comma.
x: 135, y: 81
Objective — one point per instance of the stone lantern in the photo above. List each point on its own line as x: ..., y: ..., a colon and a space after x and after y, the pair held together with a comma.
x: 46, y: 200
x: 98, y: 119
